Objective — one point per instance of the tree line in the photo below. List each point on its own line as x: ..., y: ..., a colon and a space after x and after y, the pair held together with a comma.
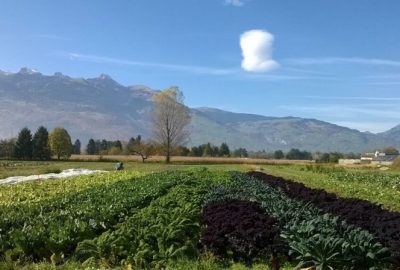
x: 42, y: 145
x: 39, y: 146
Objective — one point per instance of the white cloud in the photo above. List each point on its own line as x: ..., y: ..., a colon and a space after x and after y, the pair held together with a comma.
x: 257, y: 51
x: 236, y: 3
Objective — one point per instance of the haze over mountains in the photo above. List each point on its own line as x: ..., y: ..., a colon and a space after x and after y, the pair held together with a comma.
x: 102, y: 108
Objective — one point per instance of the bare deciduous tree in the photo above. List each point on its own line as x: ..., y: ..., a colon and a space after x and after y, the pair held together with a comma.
x: 171, y: 118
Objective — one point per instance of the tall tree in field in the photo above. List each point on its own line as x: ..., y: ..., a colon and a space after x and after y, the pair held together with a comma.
x: 278, y: 154
x: 170, y: 118
x: 118, y: 145
x: 77, y: 147
x: 207, y: 150
x: 60, y: 143
x: 7, y: 148
x: 23, y: 145
x: 224, y: 150
x: 41, y: 149
x: 91, y: 147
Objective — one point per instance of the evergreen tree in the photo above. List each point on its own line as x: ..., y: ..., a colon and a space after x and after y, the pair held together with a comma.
x: 23, y: 145
x: 118, y: 144
x: 40, y: 145
x: 215, y: 151
x: 77, y: 147
x: 294, y: 154
x: 7, y: 148
x: 240, y: 152
x: 91, y: 147
x: 207, y: 150
x: 278, y: 154
x: 196, y: 151
x: 224, y: 150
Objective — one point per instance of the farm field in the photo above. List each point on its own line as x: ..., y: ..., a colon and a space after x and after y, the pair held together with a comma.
x: 21, y: 168
x: 156, y: 216
x: 154, y: 164
x: 380, y: 187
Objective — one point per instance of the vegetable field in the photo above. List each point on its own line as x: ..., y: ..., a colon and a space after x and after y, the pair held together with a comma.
x: 375, y: 186
x: 192, y: 219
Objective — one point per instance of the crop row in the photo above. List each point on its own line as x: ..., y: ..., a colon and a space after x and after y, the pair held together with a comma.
x: 166, y: 230
x: 373, y: 218
x: 39, y: 190
x: 56, y: 225
x: 313, y: 238
x: 380, y: 179
x: 240, y: 230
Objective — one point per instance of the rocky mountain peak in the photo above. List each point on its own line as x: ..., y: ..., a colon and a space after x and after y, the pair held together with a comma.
x: 28, y: 71
x: 105, y: 77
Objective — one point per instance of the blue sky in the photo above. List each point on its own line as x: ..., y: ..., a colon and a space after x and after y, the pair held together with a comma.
x: 337, y: 61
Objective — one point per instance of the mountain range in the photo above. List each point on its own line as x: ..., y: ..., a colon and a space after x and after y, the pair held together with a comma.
x: 102, y: 108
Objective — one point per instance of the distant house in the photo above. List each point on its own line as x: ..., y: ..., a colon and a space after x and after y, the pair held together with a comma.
x: 368, y: 157
x: 378, y: 158
x: 386, y: 160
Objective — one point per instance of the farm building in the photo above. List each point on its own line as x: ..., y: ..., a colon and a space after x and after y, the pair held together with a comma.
x: 386, y: 160
x: 376, y: 158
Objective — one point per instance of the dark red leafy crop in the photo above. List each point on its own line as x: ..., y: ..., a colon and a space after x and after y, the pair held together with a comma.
x: 382, y: 223
x: 239, y: 230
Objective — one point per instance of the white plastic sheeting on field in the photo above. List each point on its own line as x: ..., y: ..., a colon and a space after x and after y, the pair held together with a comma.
x: 64, y: 173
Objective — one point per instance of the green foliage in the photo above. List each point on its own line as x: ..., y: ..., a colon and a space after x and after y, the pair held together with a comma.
x: 33, y: 192
x: 7, y: 148
x: 396, y: 164
x: 332, y: 157
x: 240, y: 152
x: 210, y: 150
x: 23, y: 145
x: 77, y: 147
x: 128, y: 220
x: 50, y: 218
x: 41, y: 149
x: 91, y: 148
x: 313, y: 238
x: 374, y: 186
x: 166, y: 230
x: 58, y: 223
x: 224, y: 150
x: 296, y: 154
x: 278, y: 154
x: 60, y: 143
